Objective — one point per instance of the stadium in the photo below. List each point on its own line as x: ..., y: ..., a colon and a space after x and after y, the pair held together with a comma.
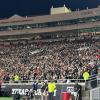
x: 63, y: 46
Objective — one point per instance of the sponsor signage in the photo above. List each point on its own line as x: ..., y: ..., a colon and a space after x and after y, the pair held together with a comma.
x: 70, y: 89
x: 23, y: 89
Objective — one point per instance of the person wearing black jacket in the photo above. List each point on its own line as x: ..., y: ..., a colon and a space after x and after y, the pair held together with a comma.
x: 17, y: 96
x: 77, y: 90
x: 44, y: 89
x: 0, y: 90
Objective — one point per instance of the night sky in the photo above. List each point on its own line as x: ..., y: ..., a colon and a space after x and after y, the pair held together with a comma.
x: 40, y: 7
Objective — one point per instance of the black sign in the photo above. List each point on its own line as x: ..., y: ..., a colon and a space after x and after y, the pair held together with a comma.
x: 23, y: 89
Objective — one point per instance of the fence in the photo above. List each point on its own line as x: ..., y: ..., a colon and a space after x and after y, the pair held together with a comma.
x: 95, y: 94
x: 39, y: 81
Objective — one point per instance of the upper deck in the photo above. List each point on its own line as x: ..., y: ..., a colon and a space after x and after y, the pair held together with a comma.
x: 14, y: 25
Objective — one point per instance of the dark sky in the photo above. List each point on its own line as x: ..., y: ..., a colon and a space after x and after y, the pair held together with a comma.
x: 40, y: 7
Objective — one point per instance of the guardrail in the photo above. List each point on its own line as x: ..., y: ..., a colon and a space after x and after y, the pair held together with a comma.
x: 92, y: 78
x: 39, y: 81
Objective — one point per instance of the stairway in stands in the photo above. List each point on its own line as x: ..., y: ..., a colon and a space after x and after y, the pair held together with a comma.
x: 85, y: 95
x: 92, y: 93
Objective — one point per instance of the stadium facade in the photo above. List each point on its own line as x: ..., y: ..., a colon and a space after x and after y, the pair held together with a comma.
x: 73, y: 24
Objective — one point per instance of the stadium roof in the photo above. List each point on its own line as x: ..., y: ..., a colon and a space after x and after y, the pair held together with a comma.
x: 15, y: 16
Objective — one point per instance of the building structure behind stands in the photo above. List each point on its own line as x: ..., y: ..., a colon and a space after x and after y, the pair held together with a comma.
x: 59, y: 10
x: 62, y: 23
x: 58, y: 24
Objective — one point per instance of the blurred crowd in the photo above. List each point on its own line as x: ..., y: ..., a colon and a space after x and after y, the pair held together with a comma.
x: 42, y: 60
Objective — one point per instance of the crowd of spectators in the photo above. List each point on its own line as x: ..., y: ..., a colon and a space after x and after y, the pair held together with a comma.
x: 42, y: 60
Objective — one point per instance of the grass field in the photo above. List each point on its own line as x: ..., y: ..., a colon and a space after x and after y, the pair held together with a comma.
x: 6, y: 98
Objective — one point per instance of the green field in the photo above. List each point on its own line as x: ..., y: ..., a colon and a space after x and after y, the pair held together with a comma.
x: 6, y: 98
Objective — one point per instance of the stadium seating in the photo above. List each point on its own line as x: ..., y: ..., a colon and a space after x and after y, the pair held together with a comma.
x: 42, y: 60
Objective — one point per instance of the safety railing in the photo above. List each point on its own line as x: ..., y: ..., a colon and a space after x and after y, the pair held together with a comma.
x: 39, y: 81
x: 96, y: 76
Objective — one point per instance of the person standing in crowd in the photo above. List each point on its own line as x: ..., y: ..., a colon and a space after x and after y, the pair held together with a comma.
x: 86, y: 75
x: 51, y: 89
x: 6, y: 78
x: 77, y: 89
x: 16, y: 78
x: 0, y: 88
x: 44, y: 89
x: 31, y: 95
x: 17, y: 96
x: 34, y: 87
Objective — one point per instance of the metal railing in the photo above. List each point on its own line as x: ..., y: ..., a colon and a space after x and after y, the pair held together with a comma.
x: 67, y: 81
x: 96, y: 77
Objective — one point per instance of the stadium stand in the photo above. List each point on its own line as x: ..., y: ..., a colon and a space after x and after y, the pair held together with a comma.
x: 42, y: 60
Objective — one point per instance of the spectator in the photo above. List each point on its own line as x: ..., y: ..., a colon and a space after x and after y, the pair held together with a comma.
x: 57, y: 59
x: 51, y: 89
x: 77, y: 89
x: 16, y: 78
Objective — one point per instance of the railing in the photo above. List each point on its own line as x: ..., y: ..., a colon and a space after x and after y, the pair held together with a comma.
x: 39, y: 81
x: 88, y: 82
x: 95, y: 94
x: 95, y: 76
